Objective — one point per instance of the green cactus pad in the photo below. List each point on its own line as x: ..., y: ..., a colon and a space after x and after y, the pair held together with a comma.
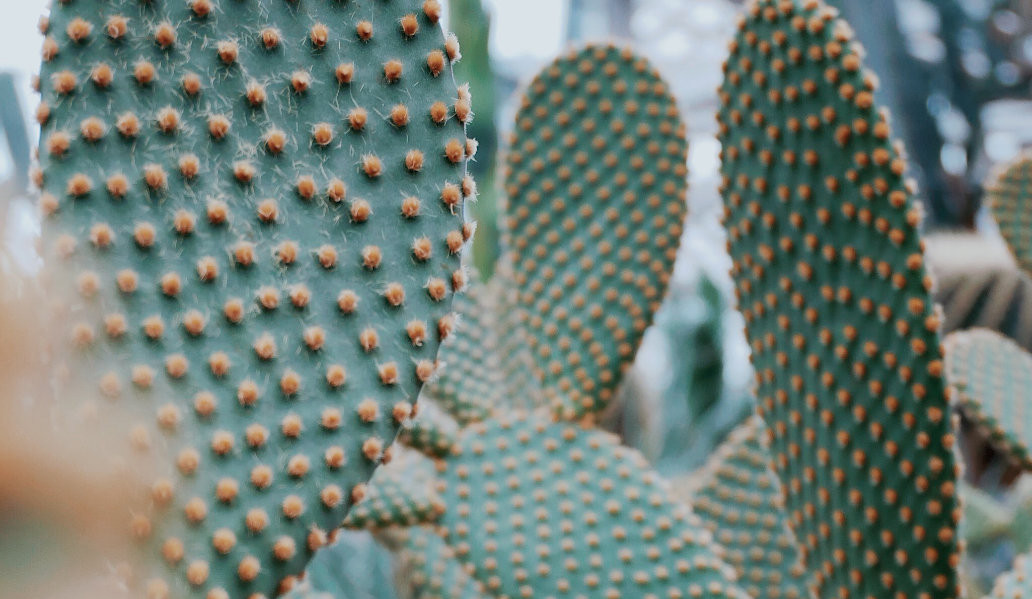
x: 354, y: 566
x: 993, y: 379
x: 469, y: 381
x: 401, y: 493
x: 537, y: 509
x: 738, y: 498
x: 1017, y: 583
x: 433, y: 571
x: 1008, y: 196
x: 254, y: 209
x: 596, y: 180
x: 431, y: 432
x: 831, y: 281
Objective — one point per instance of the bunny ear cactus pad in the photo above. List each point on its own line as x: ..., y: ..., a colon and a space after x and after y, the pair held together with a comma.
x: 354, y: 566
x: 254, y: 210
x: 830, y: 278
x: 738, y: 498
x: 596, y: 180
x: 993, y: 379
x: 1009, y: 197
x: 537, y: 509
x: 400, y: 494
x: 469, y: 383
x: 433, y: 571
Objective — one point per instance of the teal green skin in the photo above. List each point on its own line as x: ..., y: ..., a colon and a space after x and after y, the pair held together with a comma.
x: 469, y: 382
x: 433, y: 571
x: 1009, y: 195
x: 401, y: 493
x: 738, y: 498
x: 595, y: 179
x: 431, y: 432
x: 83, y: 284
x: 536, y: 509
x: 354, y: 566
x: 830, y: 279
x: 992, y: 377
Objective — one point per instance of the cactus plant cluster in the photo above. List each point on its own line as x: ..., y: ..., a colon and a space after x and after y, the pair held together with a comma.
x: 254, y: 228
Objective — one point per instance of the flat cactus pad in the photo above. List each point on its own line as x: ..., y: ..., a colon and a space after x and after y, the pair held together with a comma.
x: 596, y: 179
x: 1009, y: 197
x: 738, y: 498
x: 993, y: 378
x: 253, y: 213
x: 537, y: 509
x: 830, y: 278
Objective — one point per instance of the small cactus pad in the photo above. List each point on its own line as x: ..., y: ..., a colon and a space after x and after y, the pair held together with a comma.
x: 738, y: 498
x: 830, y: 278
x: 596, y: 180
x: 432, y: 570
x: 431, y: 432
x: 253, y: 213
x: 537, y: 509
x: 1017, y: 583
x: 469, y: 380
x: 354, y: 566
x: 1009, y: 196
x: 993, y: 379
x: 401, y: 493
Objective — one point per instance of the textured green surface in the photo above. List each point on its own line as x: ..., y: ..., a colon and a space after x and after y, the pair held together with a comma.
x: 596, y: 180
x: 830, y: 278
x: 738, y: 498
x: 128, y: 210
x: 537, y: 509
x: 469, y: 381
x: 400, y: 493
x: 432, y: 431
x: 433, y: 571
x: 1009, y: 197
x: 354, y: 566
x: 1016, y: 584
x: 993, y: 379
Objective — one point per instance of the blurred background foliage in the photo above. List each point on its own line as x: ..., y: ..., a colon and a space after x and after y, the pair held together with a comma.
x: 956, y: 75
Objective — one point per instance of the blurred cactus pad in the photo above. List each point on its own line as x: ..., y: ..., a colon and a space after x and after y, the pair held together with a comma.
x: 831, y: 281
x: 1009, y: 196
x: 993, y: 379
x: 595, y: 180
x: 253, y: 215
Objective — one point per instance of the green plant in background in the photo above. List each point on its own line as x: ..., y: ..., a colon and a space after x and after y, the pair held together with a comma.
x: 253, y: 219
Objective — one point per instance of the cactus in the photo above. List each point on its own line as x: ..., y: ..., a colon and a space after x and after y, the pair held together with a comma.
x: 543, y: 509
x: 997, y: 299
x: 399, y: 493
x: 992, y: 378
x: 253, y: 213
x: 595, y: 181
x: 738, y: 498
x: 1006, y: 195
x: 830, y: 279
x: 353, y: 566
x: 434, y: 571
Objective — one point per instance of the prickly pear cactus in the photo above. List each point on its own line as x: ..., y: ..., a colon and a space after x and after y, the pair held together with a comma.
x: 433, y: 571
x: 253, y: 213
x: 353, y: 566
x: 469, y: 383
x: 992, y: 377
x: 738, y: 498
x: 596, y: 179
x: 399, y: 493
x: 1007, y: 196
x: 537, y: 509
x: 830, y: 278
